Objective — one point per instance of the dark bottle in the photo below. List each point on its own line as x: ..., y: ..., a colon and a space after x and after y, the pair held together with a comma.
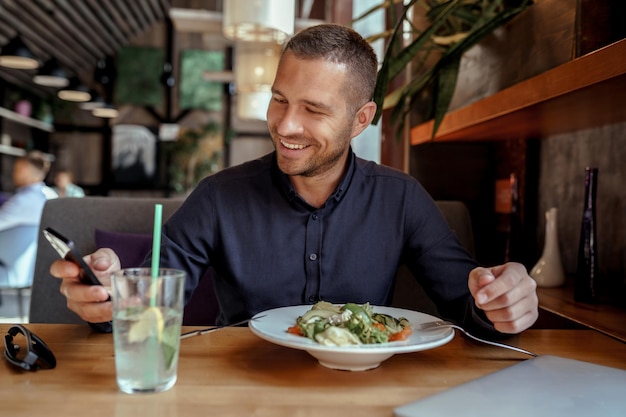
x: 509, y: 220
x: 586, y: 284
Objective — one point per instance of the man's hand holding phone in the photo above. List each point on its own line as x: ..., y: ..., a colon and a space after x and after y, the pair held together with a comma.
x: 88, y: 301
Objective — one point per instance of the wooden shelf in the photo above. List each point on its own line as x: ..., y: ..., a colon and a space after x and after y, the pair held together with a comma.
x: 605, y: 318
x: 11, y: 150
x: 586, y: 92
x: 28, y: 121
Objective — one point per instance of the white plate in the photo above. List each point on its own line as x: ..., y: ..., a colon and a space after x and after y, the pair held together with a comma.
x: 273, y: 328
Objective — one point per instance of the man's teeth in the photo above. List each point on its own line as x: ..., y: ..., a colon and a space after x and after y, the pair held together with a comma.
x: 292, y: 145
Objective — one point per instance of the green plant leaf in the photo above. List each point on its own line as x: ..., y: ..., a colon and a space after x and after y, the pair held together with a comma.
x: 448, y: 19
x: 393, y: 65
x: 446, y: 84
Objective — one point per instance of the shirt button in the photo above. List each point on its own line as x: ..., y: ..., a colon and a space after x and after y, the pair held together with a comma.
x: 314, y: 216
x: 313, y: 299
x: 313, y: 256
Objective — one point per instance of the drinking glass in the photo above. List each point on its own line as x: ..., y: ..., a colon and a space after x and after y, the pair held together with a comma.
x: 147, y: 317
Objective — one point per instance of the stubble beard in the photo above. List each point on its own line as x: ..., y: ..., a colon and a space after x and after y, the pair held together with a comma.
x: 317, y: 164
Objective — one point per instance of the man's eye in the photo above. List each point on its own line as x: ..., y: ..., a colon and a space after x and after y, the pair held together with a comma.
x: 279, y: 100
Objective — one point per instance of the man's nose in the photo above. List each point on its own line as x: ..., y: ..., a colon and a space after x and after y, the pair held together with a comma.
x: 290, y: 122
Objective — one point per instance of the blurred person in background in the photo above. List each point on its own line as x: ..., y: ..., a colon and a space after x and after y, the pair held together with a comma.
x: 64, y: 185
x: 23, y: 208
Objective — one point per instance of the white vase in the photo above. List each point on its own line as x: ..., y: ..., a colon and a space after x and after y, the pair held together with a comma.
x: 548, y: 272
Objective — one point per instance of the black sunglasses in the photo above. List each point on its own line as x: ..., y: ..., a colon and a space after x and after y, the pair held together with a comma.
x: 34, y: 355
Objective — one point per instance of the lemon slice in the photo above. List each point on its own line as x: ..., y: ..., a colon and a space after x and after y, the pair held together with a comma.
x: 150, y: 323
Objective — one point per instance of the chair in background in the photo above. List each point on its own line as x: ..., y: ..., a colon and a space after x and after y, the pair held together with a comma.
x: 18, y: 248
x: 458, y: 217
x: 81, y: 219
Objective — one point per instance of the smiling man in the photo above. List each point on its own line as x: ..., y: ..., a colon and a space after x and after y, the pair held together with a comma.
x: 311, y: 221
x: 313, y: 114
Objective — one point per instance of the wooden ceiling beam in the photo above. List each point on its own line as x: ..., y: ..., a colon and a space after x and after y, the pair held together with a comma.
x: 108, y: 21
x: 133, y: 25
x: 142, y: 23
x: 120, y: 22
x: 148, y: 13
x: 157, y: 9
x: 40, y: 46
x: 83, y: 29
x: 48, y: 27
x: 97, y: 28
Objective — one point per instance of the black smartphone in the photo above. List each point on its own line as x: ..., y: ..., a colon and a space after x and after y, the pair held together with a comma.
x: 67, y: 250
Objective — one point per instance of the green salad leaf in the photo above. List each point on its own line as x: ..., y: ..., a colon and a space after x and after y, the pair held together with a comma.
x: 350, y: 324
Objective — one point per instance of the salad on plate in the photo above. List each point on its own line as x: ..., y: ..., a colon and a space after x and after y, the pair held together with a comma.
x: 349, y: 324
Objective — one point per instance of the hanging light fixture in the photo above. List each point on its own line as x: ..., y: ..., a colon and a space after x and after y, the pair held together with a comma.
x: 255, y: 68
x: 75, y: 91
x: 17, y: 55
x: 96, y: 101
x: 105, y: 74
x: 259, y: 20
x: 106, y: 111
x: 51, y: 75
x: 258, y: 27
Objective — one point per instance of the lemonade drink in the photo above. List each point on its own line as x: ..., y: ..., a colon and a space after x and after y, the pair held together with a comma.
x: 147, y: 317
x: 146, y: 349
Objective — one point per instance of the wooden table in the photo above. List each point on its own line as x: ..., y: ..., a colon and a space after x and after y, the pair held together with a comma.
x: 234, y: 373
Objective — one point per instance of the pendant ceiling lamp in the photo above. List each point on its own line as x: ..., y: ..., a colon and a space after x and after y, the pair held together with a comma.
x: 17, y: 55
x: 255, y: 67
x: 51, y: 75
x: 106, y: 111
x: 259, y: 20
x: 75, y: 91
x: 96, y: 101
x: 105, y: 74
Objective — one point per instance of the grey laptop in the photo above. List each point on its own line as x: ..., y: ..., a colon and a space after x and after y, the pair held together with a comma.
x: 543, y: 386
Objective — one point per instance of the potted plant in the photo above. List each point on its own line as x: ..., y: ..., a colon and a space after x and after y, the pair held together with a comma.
x: 448, y: 28
x: 195, y: 154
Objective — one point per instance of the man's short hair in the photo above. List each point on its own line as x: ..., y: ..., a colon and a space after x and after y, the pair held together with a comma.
x: 38, y: 160
x: 342, y: 45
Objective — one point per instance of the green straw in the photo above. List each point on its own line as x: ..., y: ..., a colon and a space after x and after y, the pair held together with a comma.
x: 156, y: 249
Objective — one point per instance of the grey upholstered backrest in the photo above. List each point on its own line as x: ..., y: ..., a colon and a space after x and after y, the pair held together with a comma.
x: 460, y: 221
x: 77, y: 219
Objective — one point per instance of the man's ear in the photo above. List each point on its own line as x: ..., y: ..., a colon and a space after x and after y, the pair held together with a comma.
x: 363, y: 118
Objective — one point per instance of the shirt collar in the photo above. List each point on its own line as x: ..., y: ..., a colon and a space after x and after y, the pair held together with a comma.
x: 291, y: 194
x: 33, y: 186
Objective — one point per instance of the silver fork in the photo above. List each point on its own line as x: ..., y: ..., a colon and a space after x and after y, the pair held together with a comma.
x: 215, y: 328
x: 432, y: 325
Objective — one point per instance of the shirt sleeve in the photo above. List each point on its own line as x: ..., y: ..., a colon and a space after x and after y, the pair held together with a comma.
x: 187, y: 238
x: 439, y: 262
x: 12, y: 213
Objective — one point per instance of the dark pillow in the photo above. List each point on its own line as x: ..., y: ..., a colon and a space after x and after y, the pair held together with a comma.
x: 131, y: 248
x: 201, y: 309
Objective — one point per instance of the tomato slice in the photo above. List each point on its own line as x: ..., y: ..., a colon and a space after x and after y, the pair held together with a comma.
x: 401, y: 335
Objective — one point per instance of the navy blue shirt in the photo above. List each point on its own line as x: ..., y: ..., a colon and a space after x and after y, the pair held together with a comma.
x: 269, y: 248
